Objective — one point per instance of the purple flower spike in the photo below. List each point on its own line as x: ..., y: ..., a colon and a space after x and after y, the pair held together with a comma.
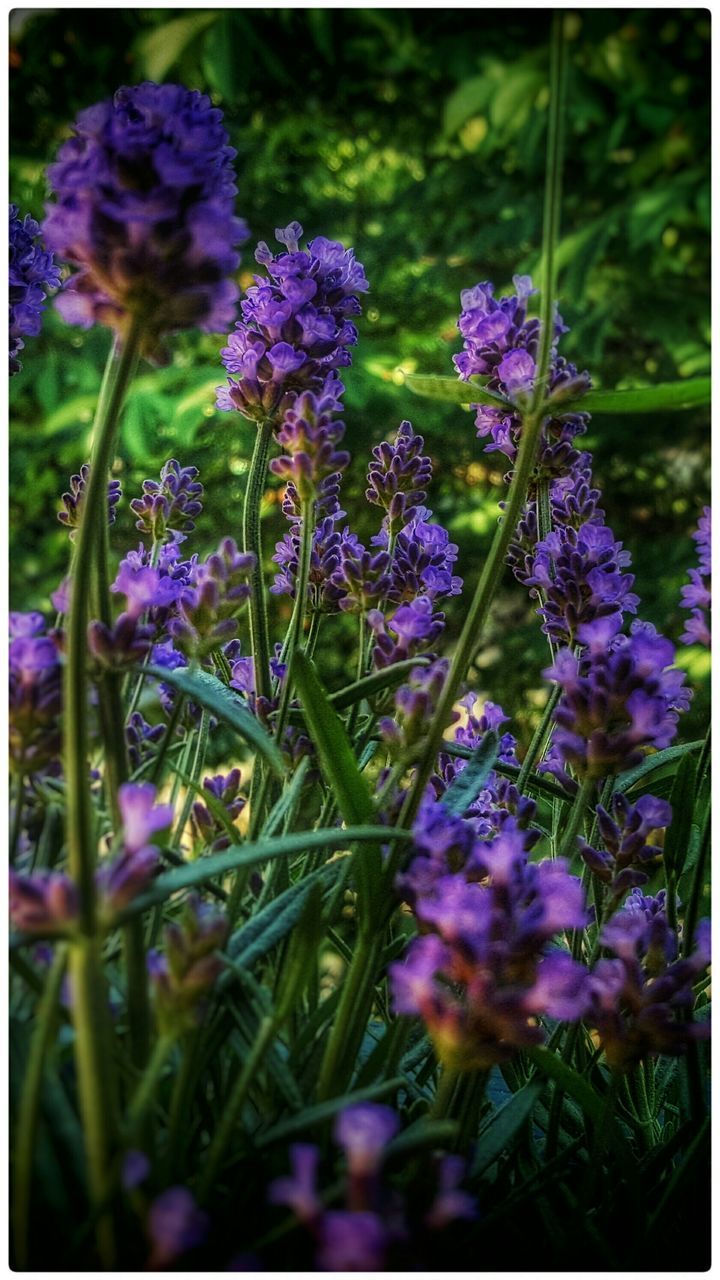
x: 170, y: 505
x: 398, y: 477
x: 618, y: 698
x: 31, y: 273
x: 576, y: 573
x: 73, y: 500
x: 45, y: 902
x: 142, y: 818
x: 696, y: 595
x: 298, y: 1191
x: 309, y: 434
x: 182, y: 978
x: 135, y: 1169
x: 628, y: 854
x: 175, y: 1226
x: 295, y: 326
x: 352, y: 1242
x: 363, y: 1131
x: 35, y: 700
x: 211, y: 600
x: 144, y: 209
x: 451, y: 1204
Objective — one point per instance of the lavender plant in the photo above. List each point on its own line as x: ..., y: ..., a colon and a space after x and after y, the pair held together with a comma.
x: 387, y: 950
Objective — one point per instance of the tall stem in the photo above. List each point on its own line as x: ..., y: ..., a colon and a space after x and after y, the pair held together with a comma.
x: 93, y: 1062
x: 252, y: 541
x: 294, y: 635
x: 45, y: 1022
x: 532, y: 422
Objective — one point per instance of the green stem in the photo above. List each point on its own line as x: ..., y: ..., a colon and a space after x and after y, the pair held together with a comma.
x: 44, y: 1028
x: 293, y: 639
x: 93, y: 1062
x: 252, y: 541
x: 532, y: 423
x: 147, y: 1086
x: 351, y: 1018
x: 231, y: 1110
x: 195, y: 771
x: 568, y: 846
x: 537, y: 745
x: 442, y: 1103
x: 18, y: 800
x: 98, y: 1111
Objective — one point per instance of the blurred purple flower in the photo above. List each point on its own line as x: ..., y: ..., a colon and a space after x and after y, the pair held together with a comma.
x: 31, y: 272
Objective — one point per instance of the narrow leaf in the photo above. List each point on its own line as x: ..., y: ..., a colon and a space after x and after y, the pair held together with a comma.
x: 249, y: 855
x: 654, y: 762
x: 369, y: 686
x: 469, y: 782
x: 307, y: 1120
x: 502, y: 1127
x: 452, y: 390
x: 224, y: 703
x: 682, y: 801
x: 333, y: 745
x: 594, y: 1106
x: 664, y: 397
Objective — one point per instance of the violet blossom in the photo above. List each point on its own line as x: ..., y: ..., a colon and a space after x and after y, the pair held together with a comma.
x: 144, y: 209
x: 31, y: 273
x: 169, y: 505
x: 696, y: 594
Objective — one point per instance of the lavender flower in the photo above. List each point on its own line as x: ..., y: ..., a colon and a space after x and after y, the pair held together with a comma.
x: 295, y: 326
x: 483, y: 975
x: 398, y: 477
x: 363, y: 1131
x: 422, y: 560
x: 182, y: 978
x: 576, y: 573
x: 35, y: 693
x: 72, y: 501
x: 226, y: 790
x: 415, y: 704
x: 626, y: 833
x: 170, y: 505
x: 140, y: 738
x: 309, y: 434
x: 637, y: 996
x: 501, y: 345
x: 44, y: 903
x: 411, y: 630
x: 175, y: 1226
x: 618, y: 699
x: 31, y: 273
x: 209, y: 604
x: 696, y: 594
x: 145, y: 211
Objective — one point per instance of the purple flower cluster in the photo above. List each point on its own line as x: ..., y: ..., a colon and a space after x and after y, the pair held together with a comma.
x: 73, y: 499
x: 696, y: 594
x: 47, y: 902
x: 309, y: 434
x: 500, y: 344
x: 637, y: 995
x: 359, y: 1237
x: 398, y: 477
x: 31, y: 272
x: 483, y: 973
x: 225, y: 788
x: 170, y: 505
x: 295, y: 325
x: 208, y: 606
x: 576, y: 573
x: 620, y: 697
x: 144, y: 208
x: 626, y: 832
x: 35, y: 700
x: 182, y: 976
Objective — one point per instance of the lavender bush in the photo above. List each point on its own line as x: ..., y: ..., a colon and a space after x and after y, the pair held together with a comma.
x: 387, y: 984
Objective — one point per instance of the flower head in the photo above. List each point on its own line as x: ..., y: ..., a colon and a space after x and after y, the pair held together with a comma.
x: 31, y: 273
x: 144, y: 209
x: 696, y: 595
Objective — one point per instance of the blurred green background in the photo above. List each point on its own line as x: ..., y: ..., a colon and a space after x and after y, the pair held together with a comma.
x: 417, y: 137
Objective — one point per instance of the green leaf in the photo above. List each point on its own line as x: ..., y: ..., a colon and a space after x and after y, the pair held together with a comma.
x: 250, y: 855
x: 423, y: 1133
x: 224, y: 703
x: 452, y: 390
x: 594, y: 1106
x: 664, y: 397
x: 502, y: 1127
x: 301, y: 958
x: 468, y: 784
x: 369, y: 686
x: 160, y: 49
x: 307, y: 1120
x: 264, y: 930
x: 339, y: 766
x: 470, y: 97
x: 659, y: 760
x: 677, y: 836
